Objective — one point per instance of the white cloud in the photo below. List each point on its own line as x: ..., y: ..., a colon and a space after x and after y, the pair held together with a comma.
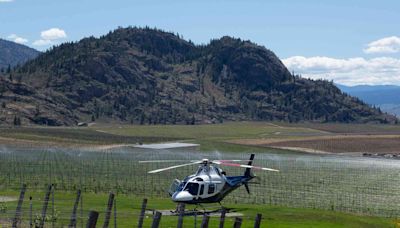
x: 42, y: 42
x: 17, y: 39
x: 352, y: 71
x: 385, y: 45
x: 53, y: 34
x: 6, y: 0
x: 50, y: 36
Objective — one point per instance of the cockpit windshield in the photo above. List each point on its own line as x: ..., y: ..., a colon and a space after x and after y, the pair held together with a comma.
x: 192, y: 188
x: 180, y: 187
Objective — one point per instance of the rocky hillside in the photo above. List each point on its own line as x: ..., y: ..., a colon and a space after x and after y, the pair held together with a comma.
x: 12, y: 54
x: 148, y: 76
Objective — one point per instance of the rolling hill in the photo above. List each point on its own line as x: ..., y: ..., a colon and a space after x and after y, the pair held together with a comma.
x: 386, y: 97
x: 12, y: 54
x: 149, y: 76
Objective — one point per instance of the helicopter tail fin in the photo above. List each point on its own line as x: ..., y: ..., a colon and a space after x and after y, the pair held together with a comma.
x: 248, y: 173
x: 247, y: 187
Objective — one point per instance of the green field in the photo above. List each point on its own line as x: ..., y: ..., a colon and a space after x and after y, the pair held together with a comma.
x: 308, y: 192
x: 128, y: 210
x: 229, y: 130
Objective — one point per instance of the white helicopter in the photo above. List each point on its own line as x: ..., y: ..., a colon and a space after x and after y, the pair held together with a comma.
x: 209, y: 184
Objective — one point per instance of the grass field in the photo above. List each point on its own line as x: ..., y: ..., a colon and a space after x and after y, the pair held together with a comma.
x: 229, y: 130
x: 308, y: 191
x: 334, y: 138
x: 128, y: 209
x: 67, y: 136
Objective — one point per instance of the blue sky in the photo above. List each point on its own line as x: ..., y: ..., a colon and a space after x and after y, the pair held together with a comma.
x: 314, y: 38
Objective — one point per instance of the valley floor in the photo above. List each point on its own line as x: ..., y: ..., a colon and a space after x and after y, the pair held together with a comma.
x: 361, y: 187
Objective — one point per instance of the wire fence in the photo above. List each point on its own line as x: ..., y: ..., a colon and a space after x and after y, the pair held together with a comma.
x: 52, y: 212
x: 350, y: 184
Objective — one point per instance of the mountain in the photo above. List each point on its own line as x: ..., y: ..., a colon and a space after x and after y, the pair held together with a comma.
x: 386, y: 97
x: 20, y: 101
x: 149, y: 76
x: 12, y: 54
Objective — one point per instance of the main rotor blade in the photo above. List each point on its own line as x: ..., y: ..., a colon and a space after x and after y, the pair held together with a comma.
x: 248, y: 166
x: 174, y: 167
x: 214, y: 161
x: 161, y: 161
x: 230, y: 160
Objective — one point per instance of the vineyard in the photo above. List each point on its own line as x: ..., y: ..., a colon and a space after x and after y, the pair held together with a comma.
x: 349, y: 184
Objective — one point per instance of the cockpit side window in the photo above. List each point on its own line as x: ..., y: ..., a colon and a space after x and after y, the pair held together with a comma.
x: 192, y: 188
x: 211, y: 188
x: 201, y: 190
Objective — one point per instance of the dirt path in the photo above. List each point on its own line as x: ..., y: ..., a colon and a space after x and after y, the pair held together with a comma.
x: 7, y: 199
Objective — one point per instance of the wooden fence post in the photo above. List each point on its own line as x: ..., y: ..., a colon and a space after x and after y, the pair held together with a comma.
x: 108, y: 211
x: 115, y: 213
x: 204, y: 223
x: 81, y: 210
x: 181, y: 210
x: 30, y: 212
x: 156, y: 219
x: 257, y: 223
x: 18, y: 210
x: 52, y: 206
x: 142, y: 213
x: 92, y: 220
x: 238, y: 222
x: 222, y: 218
x: 45, y: 204
x: 72, y: 223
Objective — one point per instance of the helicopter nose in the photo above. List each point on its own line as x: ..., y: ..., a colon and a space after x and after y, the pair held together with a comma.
x: 182, y: 196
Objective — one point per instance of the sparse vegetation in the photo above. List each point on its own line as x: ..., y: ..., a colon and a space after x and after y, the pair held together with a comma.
x: 149, y: 76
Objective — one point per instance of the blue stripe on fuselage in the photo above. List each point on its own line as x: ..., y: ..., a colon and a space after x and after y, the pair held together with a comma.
x: 232, y: 183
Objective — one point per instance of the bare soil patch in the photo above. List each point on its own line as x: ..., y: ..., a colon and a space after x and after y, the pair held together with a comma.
x: 333, y: 144
x: 7, y: 199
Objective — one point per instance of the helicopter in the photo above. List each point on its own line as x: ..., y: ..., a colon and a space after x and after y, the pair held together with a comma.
x: 210, y: 183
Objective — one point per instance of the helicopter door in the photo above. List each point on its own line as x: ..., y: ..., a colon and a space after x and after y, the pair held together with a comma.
x: 211, y: 189
x: 201, y: 192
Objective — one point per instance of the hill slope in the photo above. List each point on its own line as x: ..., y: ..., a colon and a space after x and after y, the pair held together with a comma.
x: 13, y: 54
x: 151, y: 76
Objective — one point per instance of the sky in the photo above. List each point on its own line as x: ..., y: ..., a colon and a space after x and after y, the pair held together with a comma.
x: 351, y: 42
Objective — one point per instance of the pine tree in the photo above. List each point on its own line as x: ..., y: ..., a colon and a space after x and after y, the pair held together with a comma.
x: 193, y: 121
x: 17, y: 121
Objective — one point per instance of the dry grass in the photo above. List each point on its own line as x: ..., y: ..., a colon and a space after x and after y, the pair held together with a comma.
x: 334, y: 144
x: 341, y: 128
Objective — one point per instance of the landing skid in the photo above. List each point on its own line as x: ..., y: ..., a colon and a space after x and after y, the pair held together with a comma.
x: 196, y: 212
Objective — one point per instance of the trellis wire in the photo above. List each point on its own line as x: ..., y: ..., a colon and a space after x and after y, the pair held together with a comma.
x: 360, y: 185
